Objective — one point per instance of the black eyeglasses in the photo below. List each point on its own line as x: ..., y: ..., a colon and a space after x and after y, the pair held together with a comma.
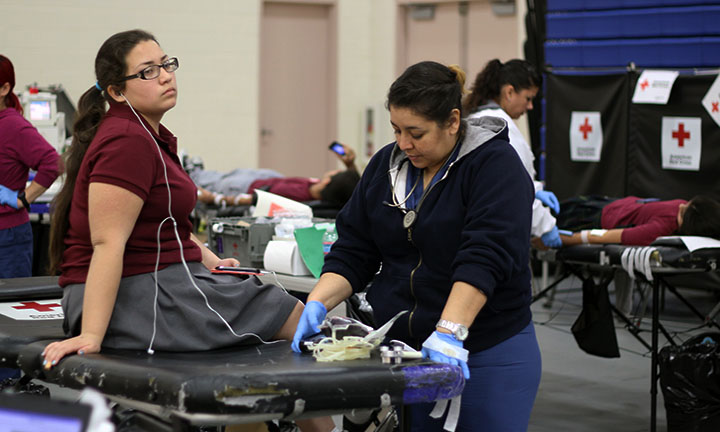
x: 153, y: 71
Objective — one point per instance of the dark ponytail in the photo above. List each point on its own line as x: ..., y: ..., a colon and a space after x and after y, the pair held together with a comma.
x: 7, y: 75
x: 489, y: 82
x: 110, y: 69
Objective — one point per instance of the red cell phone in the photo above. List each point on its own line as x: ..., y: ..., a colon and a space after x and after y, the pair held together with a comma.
x: 237, y: 270
x: 337, y: 148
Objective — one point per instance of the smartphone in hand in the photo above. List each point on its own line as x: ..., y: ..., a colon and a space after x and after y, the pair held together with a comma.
x: 337, y: 148
x: 237, y: 270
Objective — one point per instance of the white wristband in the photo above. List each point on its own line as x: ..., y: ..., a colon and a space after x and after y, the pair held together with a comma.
x: 217, y: 199
x: 435, y: 343
x: 584, y: 236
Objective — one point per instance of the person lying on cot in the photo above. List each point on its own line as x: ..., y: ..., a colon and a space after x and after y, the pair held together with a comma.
x: 133, y: 274
x: 635, y: 221
x: 237, y: 186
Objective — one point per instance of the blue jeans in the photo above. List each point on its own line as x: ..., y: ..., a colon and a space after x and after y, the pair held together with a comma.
x: 500, y: 393
x: 16, y: 251
x: 16, y: 248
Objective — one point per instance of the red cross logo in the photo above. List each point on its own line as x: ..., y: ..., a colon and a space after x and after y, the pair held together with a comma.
x: 644, y: 84
x: 681, y: 134
x: 715, y: 106
x: 235, y: 245
x: 585, y: 128
x: 37, y: 306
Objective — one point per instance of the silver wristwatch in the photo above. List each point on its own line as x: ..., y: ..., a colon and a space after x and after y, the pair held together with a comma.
x: 459, y: 330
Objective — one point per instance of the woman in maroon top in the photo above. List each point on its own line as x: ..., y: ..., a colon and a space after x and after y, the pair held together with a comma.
x: 334, y: 187
x: 134, y: 276
x: 21, y: 148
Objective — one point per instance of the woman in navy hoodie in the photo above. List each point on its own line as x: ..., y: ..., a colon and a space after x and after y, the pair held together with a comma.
x: 444, y: 214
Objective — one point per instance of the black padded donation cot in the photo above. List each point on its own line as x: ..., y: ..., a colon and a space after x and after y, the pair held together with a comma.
x: 245, y: 384
x: 665, y: 258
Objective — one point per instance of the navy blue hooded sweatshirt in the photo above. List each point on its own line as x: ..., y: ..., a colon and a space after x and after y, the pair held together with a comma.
x: 473, y: 225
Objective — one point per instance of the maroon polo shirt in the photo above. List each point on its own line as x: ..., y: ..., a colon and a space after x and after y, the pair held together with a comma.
x: 22, y: 148
x: 646, y: 221
x: 295, y: 188
x: 123, y: 154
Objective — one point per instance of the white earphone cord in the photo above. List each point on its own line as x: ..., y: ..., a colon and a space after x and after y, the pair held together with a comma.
x: 182, y: 254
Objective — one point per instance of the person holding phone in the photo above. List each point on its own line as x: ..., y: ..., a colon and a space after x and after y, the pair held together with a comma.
x: 333, y: 188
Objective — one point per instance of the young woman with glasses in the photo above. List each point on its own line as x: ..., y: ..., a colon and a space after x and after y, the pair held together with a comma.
x: 121, y: 222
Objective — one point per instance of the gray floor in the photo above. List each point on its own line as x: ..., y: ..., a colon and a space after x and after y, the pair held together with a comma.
x: 580, y: 392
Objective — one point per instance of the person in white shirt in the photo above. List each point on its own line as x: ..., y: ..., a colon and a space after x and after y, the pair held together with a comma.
x: 506, y: 90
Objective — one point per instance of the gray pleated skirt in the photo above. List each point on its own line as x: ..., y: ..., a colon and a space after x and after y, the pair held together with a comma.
x: 184, y: 320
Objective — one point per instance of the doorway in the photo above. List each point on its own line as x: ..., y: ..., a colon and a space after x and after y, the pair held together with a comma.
x: 467, y: 33
x: 297, y: 88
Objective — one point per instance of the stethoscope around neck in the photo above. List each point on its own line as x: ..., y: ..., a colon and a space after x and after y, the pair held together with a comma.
x: 410, y: 214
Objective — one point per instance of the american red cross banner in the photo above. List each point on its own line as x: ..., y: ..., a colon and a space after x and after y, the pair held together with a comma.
x: 654, y: 86
x: 667, y: 161
x: 711, y: 101
x: 587, y: 131
x: 681, y: 142
x: 666, y: 151
x: 32, y: 310
x: 586, y: 136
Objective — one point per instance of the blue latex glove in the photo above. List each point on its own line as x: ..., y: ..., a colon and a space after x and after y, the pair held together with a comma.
x: 8, y: 197
x: 311, y: 318
x: 549, y: 199
x: 439, y: 357
x: 551, y: 238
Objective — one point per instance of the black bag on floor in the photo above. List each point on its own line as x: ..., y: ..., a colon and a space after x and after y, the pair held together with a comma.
x: 594, y: 329
x: 690, y: 383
